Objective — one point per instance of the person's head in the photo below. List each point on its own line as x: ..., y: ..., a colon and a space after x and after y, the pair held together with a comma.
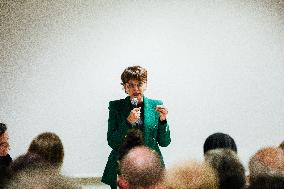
x: 40, y: 178
x: 267, y: 161
x: 191, y: 175
x: 219, y: 140
x: 141, y: 168
x: 49, y: 146
x: 134, y: 81
x: 133, y: 138
x: 4, y: 136
x: 230, y: 170
x: 4, y: 148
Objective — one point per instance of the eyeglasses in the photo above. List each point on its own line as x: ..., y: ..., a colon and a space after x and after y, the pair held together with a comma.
x: 132, y: 85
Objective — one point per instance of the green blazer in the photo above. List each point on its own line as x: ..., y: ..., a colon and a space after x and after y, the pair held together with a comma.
x: 155, y: 133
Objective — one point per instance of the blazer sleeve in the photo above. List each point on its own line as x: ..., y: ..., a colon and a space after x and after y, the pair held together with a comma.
x: 163, y: 134
x: 117, y: 126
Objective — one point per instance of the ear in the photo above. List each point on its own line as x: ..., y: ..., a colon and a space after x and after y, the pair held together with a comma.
x: 125, y: 88
x: 122, y: 182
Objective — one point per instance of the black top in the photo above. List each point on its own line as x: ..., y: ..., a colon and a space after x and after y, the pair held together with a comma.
x: 4, y: 163
x: 140, y: 123
x: 5, y: 160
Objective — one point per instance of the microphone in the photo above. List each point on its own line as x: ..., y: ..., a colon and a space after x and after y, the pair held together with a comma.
x: 134, y: 102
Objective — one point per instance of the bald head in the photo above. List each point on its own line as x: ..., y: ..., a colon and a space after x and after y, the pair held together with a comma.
x: 267, y: 162
x: 141, y: 167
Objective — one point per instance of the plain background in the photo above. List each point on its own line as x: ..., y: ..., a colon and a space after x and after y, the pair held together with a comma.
x: 217, y: 66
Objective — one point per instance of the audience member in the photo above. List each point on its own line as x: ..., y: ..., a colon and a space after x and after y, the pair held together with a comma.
x: 5, y: 158
x: 219, y: 140
x: 40, y: 178
x: 141, y: 168
x: 231, y: 172
x: 49, y: 146
x: 191, y: 175
x: 133, y: 138
x: 267, y: 161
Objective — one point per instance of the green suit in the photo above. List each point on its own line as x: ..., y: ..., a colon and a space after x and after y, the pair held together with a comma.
x: 155, y: 133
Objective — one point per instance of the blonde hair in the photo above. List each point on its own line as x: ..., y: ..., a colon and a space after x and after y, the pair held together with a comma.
x: 191, y: 175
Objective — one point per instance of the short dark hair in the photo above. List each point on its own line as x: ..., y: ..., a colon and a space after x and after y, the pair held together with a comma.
x: 282, y: 145
x: 191, y: 175
x: 142, y: 167
x: 3, y: 128
x: 219, y: 140
x: 49, y: 146
x: 230, y: 170
x: 267, y: 182
x: 133, y: 138
x: 134, y: 73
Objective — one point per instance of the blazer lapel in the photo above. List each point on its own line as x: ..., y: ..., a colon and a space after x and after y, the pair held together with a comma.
x: 149, y: 114
x: 126, y: 107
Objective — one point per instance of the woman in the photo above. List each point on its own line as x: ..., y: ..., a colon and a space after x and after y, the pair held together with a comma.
x: 135, y: 111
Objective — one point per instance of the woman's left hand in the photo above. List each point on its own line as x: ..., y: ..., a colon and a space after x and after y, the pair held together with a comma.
x: 163, y: 111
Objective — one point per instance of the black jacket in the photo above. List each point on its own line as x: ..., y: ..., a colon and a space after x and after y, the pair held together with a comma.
x: 4, y: 164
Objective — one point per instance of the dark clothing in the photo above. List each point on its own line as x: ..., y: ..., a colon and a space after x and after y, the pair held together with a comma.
x: 155, y: 133
x: 4, y: 164
x: 140, y: 122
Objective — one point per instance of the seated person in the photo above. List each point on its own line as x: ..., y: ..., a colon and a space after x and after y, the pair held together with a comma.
x: 191, y: 175
x: 230, y: 170
x: 268, y: 161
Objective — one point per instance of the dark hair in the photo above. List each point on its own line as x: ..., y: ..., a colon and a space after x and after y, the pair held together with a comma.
x: 3, y: 128
x: 133, y: 138
x: 134, y: 73
x: 219, y: 140
x: 267, y: 182
x: 282, y: 145
x: 49, y: 146
x: 230, y: 170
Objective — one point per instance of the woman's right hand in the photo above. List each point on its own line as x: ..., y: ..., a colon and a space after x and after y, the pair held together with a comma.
x: 134, y: 115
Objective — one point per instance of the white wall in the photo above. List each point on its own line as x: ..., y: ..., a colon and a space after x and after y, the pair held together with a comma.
x: 217, y: 65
